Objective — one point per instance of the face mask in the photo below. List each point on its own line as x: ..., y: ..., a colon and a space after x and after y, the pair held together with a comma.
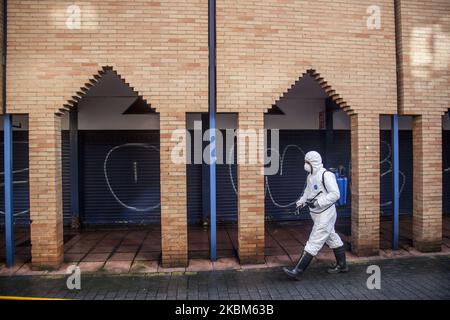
x: 307, y: 167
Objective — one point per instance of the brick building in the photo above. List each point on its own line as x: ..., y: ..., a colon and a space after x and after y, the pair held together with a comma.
x: 150, y: 59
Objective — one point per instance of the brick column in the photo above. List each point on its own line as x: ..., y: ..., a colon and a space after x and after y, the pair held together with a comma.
x: 250, y: 192
x: 46, y: 215
x: 174, y: 239
x: 365, y: 190
x: 427, y: 185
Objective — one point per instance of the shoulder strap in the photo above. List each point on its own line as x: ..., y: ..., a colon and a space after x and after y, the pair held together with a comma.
x: 323, y: 180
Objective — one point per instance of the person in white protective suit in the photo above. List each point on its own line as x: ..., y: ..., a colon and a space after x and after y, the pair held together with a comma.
x: 320, y: 195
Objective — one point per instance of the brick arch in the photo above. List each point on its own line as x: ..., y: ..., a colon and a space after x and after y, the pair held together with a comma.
x: 75, y: 99
x: 331, y: 93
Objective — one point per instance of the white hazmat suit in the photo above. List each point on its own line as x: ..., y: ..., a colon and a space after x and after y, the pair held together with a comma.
x: 324, y: 213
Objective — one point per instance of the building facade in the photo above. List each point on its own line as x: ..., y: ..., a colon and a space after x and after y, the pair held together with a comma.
x: 370, y: 60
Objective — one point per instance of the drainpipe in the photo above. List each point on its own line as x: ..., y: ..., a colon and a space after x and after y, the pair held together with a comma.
x: 7, y: 154
x: 212, y: 123
x: 395, y: 134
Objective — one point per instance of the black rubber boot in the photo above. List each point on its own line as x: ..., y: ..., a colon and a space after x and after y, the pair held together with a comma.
x: 341, y: 264
x: 301, y: 266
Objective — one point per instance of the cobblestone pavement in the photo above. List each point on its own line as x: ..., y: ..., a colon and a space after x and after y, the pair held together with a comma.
x: 407, y: 278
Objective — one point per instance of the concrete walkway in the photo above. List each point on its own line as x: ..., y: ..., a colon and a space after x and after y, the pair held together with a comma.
x: 409, y: 278
x: 138, y: 250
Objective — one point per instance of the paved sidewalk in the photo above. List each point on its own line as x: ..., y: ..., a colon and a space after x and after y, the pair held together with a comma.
x: 407, y: 278
x: 138, y: 250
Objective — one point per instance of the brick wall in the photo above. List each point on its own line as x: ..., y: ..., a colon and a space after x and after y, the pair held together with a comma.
x: 427, y: 182
x: 159, y: 47
x: 250, y: 189
x: 423, y: 41
x: 265, y: 46
x: 45, y: 190
x: 365, y: 188
x: 173, y: 195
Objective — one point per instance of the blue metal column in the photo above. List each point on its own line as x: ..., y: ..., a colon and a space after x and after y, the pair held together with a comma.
x: 74, y: 189
x: 395, y: 181
x: 212, y: 123
x: 8, y: 151
x: 8, y: 169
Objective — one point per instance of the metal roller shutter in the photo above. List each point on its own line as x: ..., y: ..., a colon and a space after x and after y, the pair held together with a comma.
x: 194, y: 188
x: 446, y: 165
x: 406, y: 172
x: 227, y: 185
x: 21, y: 179
x: 284, y: 188
x: 194, y: 193
x: 226, y: 189
x: 121, y: 177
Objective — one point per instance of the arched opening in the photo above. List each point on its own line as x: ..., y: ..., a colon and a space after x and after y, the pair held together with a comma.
x: 306, y: 118
x: 111, y: 177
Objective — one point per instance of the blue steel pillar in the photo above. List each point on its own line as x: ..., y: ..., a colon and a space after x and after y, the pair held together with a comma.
x: 212, y: 123
x: 7, y: 152
x: 395, y: 182
x: 8, y: 169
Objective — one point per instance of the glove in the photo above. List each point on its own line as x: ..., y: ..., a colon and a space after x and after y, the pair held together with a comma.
x: 300, y: 204
x: 298, y: 210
